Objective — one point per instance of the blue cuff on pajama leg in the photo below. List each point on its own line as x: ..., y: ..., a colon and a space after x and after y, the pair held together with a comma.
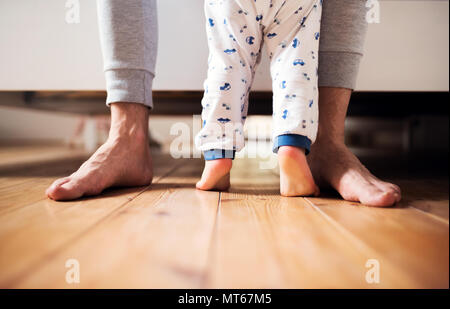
x: 216, y: 154
x: 292, y: 140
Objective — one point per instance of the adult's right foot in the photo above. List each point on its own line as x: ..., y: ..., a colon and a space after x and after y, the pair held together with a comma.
x: 124, y: 160
x: 333, y: 164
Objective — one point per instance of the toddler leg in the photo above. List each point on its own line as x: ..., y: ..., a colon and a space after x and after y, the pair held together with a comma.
x: 234, y: 39
x: 293, y: 43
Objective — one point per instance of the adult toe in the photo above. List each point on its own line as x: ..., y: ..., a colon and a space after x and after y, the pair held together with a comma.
x: 391, y: 189
x: 55, y: 185
x: 379, y: 198
x: 67, y: 190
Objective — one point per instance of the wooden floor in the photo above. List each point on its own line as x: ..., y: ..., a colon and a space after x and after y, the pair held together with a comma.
x: 169, y: 235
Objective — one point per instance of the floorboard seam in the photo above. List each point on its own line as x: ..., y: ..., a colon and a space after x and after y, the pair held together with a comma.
x: 49, y: 256
x: 209, y: 259
x: 340, y: 228
x: 352, y: 237
x: 436, y: 217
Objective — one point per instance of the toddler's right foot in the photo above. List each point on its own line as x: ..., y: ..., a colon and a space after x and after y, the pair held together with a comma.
x: 295, y: 176
x: 216, y: 175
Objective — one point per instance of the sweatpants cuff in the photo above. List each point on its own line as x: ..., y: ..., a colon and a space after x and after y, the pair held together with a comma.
x: 338, y: 69
x: 216, y: 154
x: 295, y: 140
x: 130, y: 86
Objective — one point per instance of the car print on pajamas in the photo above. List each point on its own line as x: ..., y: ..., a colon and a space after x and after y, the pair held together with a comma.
x: 230, y: 51
x: 299, y: 62
x: 302, y: 23
x: 224, y: 120
x: 225, y: 87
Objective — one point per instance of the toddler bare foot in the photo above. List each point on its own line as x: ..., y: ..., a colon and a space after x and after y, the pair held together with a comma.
x: 216, y: 175
x: 295, y: 176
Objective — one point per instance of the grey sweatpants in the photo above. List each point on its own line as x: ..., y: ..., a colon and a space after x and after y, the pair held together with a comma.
x: 129, y: 30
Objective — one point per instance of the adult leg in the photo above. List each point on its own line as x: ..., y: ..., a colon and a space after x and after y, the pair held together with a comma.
x: 332, y: 163
x: 128, y: 36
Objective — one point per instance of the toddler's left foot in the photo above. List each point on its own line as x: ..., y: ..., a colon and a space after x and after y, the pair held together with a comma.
x: 295, y: 176
x: 216, y: 175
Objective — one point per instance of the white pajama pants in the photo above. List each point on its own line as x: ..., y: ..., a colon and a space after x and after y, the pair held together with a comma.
x: 237, y: 30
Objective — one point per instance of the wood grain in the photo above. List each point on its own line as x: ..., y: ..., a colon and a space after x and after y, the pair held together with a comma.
x: 160, y: 239
x: 33, y: 232
x: 412, y: 242
x: 270, y: 241
x: 170, y: 235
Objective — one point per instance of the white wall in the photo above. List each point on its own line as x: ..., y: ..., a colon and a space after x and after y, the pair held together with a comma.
x: 23, y: 124
x: 409, y: 49
x: 40, y: 51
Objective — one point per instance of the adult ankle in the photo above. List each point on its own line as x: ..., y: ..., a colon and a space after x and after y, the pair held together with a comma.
x: 129, y: 121
x: 329, y: 143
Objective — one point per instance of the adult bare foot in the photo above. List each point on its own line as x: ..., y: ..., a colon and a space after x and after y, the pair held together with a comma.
x: 334, y: 164
x: 216, y: 175
x: 124, y: 160
x: 295, y: 176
